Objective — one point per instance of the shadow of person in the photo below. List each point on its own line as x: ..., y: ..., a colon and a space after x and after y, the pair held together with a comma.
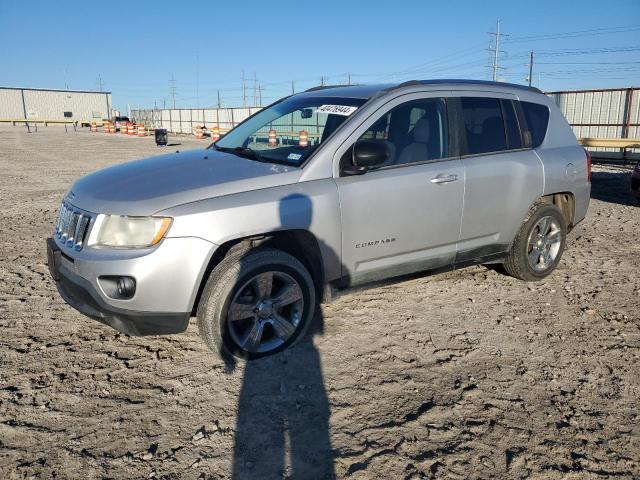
x: 282, y: 428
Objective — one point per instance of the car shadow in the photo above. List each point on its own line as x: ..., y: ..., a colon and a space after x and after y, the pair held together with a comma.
x: 282, y: 428
x: 612, y: 187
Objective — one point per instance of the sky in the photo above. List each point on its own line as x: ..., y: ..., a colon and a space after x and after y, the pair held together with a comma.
x: 134, y: 48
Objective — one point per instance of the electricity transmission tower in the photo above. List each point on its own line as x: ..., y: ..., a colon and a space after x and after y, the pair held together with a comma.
x: 244, y: 91
x: 255, y: 90
x: 495, y: 49
x: 172, y: 89
x: 99, y: 82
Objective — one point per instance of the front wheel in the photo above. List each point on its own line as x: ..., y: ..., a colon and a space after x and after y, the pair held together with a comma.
x: 538, y: 246
x: 256, y: 303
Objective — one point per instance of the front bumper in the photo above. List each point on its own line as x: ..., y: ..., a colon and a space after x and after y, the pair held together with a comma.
x: 163, y: 300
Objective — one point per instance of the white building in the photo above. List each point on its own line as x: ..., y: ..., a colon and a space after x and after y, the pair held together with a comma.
x: 48, y: 104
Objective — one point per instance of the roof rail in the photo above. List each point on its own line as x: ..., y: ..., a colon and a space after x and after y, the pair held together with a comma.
x: 466, y: 82
x: 323, y: 87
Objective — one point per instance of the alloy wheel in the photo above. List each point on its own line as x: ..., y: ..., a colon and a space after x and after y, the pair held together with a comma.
x: 544, y: 243
x: 265, y: 312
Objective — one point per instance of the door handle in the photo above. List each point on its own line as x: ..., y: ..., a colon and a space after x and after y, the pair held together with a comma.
x: 444, y: 179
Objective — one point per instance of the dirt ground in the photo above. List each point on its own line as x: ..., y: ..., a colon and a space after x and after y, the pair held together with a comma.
x: 469, y: 374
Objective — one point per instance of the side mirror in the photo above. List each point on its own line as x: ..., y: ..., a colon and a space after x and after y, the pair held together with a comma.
x: 368, y: 154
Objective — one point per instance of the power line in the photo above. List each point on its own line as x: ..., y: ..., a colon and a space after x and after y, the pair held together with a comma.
x: 578, y: 33
x: 587, y: 63
x: 457, y: 62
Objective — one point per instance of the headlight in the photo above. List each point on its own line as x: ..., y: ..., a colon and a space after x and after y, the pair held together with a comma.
x: 129, y: 232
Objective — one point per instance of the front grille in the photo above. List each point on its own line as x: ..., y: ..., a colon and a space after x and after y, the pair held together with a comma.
x: 73, y: 226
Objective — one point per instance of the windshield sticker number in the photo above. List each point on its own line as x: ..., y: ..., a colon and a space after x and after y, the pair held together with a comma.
x: 337, y: 109
x: 294, y: 156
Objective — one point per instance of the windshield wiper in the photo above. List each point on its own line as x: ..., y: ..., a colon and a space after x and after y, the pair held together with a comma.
x: 240, y: 151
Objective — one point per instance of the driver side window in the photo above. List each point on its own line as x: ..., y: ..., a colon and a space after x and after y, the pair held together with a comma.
x: 417, y: 130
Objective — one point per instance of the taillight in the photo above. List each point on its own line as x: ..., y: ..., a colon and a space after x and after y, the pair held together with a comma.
x: 588, y: 165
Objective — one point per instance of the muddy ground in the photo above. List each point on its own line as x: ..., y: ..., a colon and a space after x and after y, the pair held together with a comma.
x: 469, y: 374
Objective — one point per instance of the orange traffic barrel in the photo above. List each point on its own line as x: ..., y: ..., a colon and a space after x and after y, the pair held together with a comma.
x: 94, y: 127
x: 304, y: 139
x: 273, y: 141
x: 215, y: 133
x: 105, y: 127
x: 124, y: 127
x: 132, y: 129
x: 199, y: 133
x: 112, y: 127
x: 142, y: 132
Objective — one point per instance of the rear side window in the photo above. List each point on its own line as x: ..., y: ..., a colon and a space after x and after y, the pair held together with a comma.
x: 514, y: 139
x: 483, y: 124
x: 537, y: 118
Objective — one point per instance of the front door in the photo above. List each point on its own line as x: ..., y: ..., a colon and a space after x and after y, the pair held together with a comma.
x: 405, y: 216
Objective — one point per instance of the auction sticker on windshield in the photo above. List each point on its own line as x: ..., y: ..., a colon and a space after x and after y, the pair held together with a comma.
x: 337, y: 109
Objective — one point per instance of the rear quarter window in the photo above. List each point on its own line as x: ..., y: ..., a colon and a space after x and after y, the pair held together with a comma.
x: 537, y: 118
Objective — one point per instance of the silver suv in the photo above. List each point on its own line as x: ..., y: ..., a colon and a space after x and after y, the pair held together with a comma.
x: 336, y: 186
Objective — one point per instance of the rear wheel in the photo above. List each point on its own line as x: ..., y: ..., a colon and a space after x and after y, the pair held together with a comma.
x: 538, y: 246
x: 256, y: 303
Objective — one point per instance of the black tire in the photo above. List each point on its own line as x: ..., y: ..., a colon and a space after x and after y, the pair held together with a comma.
x: 517, y: 263
x: 230, y: 275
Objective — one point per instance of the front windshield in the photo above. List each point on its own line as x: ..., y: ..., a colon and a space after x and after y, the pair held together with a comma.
x: 289, y: 131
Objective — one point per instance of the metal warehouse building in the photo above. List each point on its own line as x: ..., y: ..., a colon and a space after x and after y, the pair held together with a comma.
x: 43, y: 104
x: 602, y: 113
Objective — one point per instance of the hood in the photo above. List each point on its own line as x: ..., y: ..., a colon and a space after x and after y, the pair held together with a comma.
x: 147, y: 186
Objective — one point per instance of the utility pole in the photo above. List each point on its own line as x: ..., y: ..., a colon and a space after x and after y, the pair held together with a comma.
x: 530, y: 67
x: 260, y: 88
x: 197, y: 81
x: 99, y: 82
x: 496, y: 51
x: 349, y: 78
x: 322, y: 81
x: 172, y: 88
x: 255, y: 90
x: 244, y: 91
x: 293, y: 87
x: 218, y: 98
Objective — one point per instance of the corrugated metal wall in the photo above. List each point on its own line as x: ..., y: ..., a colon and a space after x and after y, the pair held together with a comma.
x: 606, y: 113
x: 185, y: 120
x: 51, y: 104
x: 11, y: 104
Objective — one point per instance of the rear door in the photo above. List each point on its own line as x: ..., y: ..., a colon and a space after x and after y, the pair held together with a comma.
x: 503, y: 176
x: 405, y: 216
